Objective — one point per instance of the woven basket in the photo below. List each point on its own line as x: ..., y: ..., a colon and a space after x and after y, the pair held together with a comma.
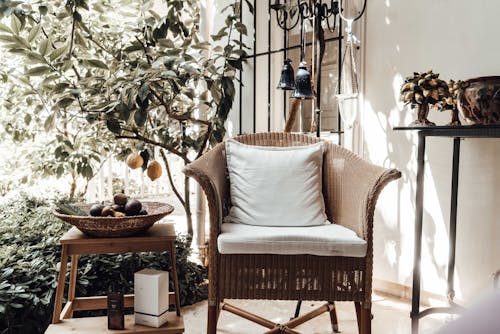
x: 117, y: 226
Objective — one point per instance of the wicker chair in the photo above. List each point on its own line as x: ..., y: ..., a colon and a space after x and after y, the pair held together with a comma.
x: 350, y: 187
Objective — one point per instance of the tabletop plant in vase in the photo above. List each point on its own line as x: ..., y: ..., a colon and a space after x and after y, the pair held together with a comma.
x: 449, y: 102
x: 421, y: 91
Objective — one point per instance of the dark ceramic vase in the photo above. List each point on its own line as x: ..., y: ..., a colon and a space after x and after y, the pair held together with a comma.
x: 479, y: 100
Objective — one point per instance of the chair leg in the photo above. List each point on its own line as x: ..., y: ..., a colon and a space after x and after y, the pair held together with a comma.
x: 366, y: 320
x: 213, y: 314
x: 333, y: 319
x: 357, y: 306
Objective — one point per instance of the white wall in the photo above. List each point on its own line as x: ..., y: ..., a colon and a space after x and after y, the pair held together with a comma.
x: 459, y: 39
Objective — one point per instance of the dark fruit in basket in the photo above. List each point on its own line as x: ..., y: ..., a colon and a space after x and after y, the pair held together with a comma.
x: 107, y: 211
x: 143, y: 212
x: 120, y: 199
x: 118, y: 208
x: 133, y: 207
x: 96, y: 210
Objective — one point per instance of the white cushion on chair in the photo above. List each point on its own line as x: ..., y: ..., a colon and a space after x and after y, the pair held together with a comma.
x: 275, y: 186
x: 323, y: 240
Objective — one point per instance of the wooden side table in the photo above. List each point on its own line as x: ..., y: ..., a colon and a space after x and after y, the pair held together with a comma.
x: 159, y: 238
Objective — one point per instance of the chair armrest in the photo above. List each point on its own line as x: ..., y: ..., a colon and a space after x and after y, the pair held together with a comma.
x: 351, y: 188
x: 210, y: 172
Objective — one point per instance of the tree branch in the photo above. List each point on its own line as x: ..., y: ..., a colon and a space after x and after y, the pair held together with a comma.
x: 138, y: 136
x: 170, y: 179
x: 72, y: 37
x: 205, y: 140
x: 102, y: 47
x: 148, y: 57
x: 179, y: 118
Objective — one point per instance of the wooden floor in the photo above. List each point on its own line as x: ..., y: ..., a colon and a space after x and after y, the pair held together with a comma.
x: 98, y: 325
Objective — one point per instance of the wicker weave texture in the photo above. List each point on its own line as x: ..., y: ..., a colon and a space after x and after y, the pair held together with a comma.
x: 292, y: 277
x: 351, y: 187
x: 117, y: 226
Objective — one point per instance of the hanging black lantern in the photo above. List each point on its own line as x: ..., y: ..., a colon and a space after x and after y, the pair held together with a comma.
x: 303, y: 88
x: 287, y: 80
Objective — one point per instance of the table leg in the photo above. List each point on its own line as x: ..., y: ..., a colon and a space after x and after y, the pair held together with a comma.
x: 419, y: 208
x: 72, y: 281
x: 176, y: 280
x: 60, y: 285
x: 453, y: 219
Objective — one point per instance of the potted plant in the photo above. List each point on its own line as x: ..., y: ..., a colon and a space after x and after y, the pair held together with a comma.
x: 449, y: 102
x: 421, y: 91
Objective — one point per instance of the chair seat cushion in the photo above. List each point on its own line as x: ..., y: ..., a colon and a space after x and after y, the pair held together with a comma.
x: 322, y: 240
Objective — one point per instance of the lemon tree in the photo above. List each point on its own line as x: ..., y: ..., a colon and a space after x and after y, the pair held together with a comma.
x: 132, y: 72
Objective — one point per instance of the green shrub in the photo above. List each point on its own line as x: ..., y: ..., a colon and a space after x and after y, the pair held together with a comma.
x: 30, y: 255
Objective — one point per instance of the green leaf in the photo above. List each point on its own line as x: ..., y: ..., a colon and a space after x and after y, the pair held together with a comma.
x: 60, y: 87
x: 4, y: 28
x: 44, y: 47
x: 22, y: 42
x: 7, y: 39
x: 124, y: 111
x: 58, y: 52
x: 43, y: 10
x: 201, y: 46
x: 79, y: 39
x: 241, y: 28
x: 15, y: 24
x: 37, y: 71
x: 95, y: 63
x: 144, y: 91
x: 133, y: 47
x: 27, y: 119
x: 113, y: 125
x: 50, y: 122
x: 65, y: 102
x: 166, y: 43
x: 250, y: 6
x: 34, y: 32
x: 35, y: 57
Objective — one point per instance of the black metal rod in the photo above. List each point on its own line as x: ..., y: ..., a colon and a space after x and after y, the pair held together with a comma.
x: 297, y: 309
x: 339, y: 78
x: 285, y: 56
x: 453, y: 218
x: 331, y: 39
x: 419, y: 209
x: 320, y: 51
x: 269, y: 67
x: 254, y: 65
x: 241, y: 74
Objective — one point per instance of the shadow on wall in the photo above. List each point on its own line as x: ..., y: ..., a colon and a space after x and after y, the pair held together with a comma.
x: 394, y: 218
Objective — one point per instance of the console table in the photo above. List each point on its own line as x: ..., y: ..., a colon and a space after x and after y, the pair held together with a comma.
x: 160, y: 237
x: 457, y: 133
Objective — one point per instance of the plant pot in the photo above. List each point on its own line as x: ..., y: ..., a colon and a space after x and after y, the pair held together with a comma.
x: 479, y: 100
